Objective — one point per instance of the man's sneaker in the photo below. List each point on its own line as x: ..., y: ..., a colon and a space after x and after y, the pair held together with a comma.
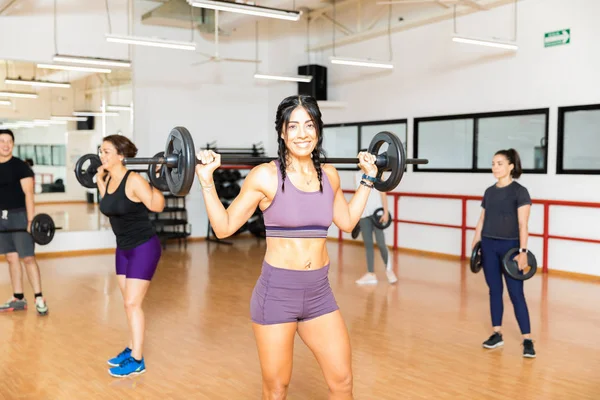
x: 494, y: 341
x: 14, y: 304
x: 367, y: 279
x: 128, y: 367
x: 528, y: 350
x: 122, y: 356
x: 41, y: 306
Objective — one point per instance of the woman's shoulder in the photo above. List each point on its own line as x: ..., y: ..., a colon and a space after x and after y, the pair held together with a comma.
x: 263, y: 173
x: 332, y: 174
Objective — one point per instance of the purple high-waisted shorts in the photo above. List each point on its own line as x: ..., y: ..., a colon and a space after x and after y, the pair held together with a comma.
x: 139, y: 262
x: 284, y: 295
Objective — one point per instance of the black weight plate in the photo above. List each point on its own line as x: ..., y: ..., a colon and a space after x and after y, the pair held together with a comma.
x: 512, y: 267
x: 476, y: 258
x: 377, y: 215
x: 85, y: 176
x: 356, y: 231
x: 181, y: 177
x: 42, y: 229
x: 160, y: 181
x: 395, y: 160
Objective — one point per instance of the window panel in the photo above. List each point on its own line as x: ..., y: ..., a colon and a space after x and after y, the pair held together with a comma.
x: 524, y: 133
x: 580, y: 136
x: 447, y: 144
x: 368, y: 131
x: 341, y: 141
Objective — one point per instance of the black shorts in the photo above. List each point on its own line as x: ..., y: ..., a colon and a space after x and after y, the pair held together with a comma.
x: 15, y: 242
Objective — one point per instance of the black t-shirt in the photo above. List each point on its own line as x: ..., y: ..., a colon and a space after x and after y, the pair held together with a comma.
x: 501, y: 205
x: 12, y: 171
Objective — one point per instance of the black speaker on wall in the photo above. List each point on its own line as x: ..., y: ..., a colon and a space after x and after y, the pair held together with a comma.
x: 87, y: 125
x: 317, y: 87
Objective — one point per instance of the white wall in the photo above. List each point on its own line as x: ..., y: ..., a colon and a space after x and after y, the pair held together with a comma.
x: 214, y: 101
x: 435, y: 76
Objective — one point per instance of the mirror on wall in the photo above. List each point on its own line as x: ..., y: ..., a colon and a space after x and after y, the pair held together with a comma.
x: 57, y: 115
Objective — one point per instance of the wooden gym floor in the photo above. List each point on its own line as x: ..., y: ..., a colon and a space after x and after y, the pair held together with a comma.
x: 418, y: 339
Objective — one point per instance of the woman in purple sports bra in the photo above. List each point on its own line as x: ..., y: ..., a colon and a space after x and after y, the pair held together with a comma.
x: 299, y: 198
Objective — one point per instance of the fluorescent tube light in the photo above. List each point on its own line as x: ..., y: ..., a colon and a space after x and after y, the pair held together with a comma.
x: 74, y: 68
x: 247, y: 9
x: 295, y: 78
x: 5, y: 102
x: 20, y: 94
x: 154, y: 42
x: 94, y: 114
x: 67, y: 118
x: 360, y: 63
x: 105, y: 62
x: 47, y: 122
x: 489, y: 43
x: 36, y: 83
x: 117, y: 108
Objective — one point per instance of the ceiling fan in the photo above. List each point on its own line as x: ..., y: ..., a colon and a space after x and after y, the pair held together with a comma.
x: 216, y: 57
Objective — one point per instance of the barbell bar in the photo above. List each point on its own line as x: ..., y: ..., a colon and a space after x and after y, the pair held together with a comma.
x: 179, y: 160
x: 85, y: 175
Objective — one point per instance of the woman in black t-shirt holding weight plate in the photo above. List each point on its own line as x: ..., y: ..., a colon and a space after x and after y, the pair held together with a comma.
x: 503, y: 225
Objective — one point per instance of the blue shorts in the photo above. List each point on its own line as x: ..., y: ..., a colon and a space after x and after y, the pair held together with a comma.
x: 15, y: 242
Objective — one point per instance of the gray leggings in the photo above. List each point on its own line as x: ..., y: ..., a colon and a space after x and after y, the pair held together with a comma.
x: 366, y: 229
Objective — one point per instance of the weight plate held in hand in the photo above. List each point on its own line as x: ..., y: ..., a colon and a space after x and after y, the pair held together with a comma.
x: 181, y: 176
x: 160, y: 181
x: 85, y: 175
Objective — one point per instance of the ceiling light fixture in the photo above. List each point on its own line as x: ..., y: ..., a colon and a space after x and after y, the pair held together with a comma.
x: 105, y: 62
x: 489, y: 43
x: 117, y: 108
x: 247, y: 9
x: 5, y: 102
x: 360, y: 63
x: 67, y: 118
x: 94, y: 114
x: 295, y: 78
x: 74, y: 68
x: 153, y: 42
x: 37, y: 83
x: 22, y: 95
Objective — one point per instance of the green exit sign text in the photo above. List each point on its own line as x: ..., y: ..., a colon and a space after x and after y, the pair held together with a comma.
x: 557, y: 38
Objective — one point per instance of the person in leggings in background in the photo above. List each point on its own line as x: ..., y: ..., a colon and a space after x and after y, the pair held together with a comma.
x: 367, y: 228
x: 503, y: 225
x: 17, y: 209
x: 126, y: 199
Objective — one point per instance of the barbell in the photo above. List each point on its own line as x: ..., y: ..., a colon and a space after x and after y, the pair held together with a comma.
x: 179, y: 161
x: 85, y: 174
x: 510, y: 265
x: 42, y: 229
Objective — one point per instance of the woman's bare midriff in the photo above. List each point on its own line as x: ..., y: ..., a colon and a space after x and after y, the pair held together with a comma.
x: 297, y: 254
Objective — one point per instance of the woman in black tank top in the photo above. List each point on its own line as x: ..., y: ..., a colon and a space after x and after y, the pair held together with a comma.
x: 126, y: 200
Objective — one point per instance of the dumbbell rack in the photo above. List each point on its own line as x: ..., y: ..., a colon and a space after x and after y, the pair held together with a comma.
x: 172, y: 222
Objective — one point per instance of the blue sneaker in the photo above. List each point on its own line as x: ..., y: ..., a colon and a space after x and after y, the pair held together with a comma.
x: 128, y: 367
x: 115, y: 362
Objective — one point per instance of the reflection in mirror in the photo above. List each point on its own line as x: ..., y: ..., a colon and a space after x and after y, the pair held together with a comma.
x: 56, y: 116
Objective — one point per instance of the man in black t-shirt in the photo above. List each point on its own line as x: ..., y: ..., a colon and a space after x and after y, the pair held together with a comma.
x: 17, y: 212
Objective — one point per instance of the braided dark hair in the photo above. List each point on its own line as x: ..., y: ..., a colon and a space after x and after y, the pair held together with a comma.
x: 284, y: 111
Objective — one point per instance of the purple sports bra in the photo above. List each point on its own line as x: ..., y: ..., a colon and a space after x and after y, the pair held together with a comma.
x: 294, y: 213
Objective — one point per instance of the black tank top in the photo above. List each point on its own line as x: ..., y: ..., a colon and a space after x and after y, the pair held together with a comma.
x: 129, y: 220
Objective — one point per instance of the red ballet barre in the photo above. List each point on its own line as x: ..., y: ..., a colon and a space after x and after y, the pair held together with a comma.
x: 463, y: 226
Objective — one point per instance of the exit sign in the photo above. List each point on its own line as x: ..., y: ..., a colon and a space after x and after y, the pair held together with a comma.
x: 557, y: 38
